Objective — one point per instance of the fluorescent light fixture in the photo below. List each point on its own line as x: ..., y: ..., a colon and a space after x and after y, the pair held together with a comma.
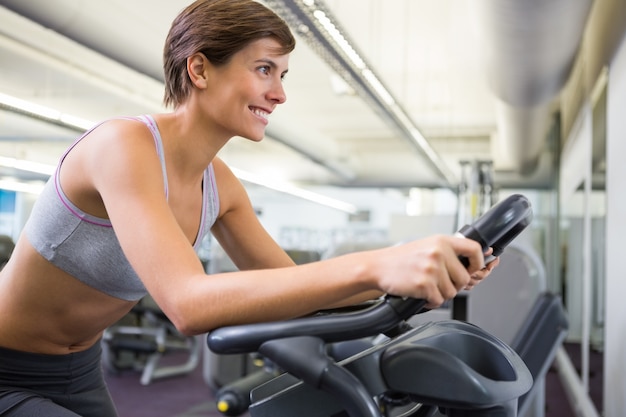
x: 414, y: 133
x: 22, y: 187
x: 335, y: 33
x: 295, y: 191
x: 77, y: 122
x: 24, y: 165
x: 378, y: 87
x: 44, y: 113
x: 29, y: 107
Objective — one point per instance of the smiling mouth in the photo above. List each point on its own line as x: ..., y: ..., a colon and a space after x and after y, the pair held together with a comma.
x: 260, y: 113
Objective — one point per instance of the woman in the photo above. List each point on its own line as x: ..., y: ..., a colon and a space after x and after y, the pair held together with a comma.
x: 133, y: 197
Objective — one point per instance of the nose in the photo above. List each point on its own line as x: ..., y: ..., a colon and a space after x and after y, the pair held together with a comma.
x: 277, y: 93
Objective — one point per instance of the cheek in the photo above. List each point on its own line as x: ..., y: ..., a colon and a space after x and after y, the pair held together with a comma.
x: 240, y: 95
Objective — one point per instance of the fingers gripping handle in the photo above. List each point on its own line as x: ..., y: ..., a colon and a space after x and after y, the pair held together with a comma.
x: 497, y: 227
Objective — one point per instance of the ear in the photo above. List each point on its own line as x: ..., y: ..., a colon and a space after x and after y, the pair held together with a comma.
x: 197, y: 65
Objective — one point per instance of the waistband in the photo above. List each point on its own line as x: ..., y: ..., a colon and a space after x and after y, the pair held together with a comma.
x: 47, y: 362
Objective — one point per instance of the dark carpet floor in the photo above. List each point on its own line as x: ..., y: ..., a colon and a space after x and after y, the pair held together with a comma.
x: 190, y: 396
x: 180, y: 396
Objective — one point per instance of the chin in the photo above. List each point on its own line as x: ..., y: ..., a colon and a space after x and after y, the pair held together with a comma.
x: 256, y: 137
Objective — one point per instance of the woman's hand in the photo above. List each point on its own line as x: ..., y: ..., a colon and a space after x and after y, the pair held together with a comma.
x: 429, y: 268
x: 478, y: 276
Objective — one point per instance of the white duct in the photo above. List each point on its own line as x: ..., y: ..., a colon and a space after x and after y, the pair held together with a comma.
x: 530, y: 47
x: 520, y: 138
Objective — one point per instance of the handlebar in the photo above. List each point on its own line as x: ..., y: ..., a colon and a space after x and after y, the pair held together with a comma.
x: 381, y: 317
x: 499, y: 225
x: 496, y: 228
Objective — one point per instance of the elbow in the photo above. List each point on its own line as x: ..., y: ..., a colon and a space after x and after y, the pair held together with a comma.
x: 189, y: 321
x: 185, y: 329
x: 185, y: 325
x: 191, y: 311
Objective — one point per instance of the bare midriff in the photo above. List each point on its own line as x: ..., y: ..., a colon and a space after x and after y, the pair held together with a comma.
x: 45, y: 310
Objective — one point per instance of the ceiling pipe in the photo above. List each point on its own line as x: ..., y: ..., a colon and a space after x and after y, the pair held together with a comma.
x: 520, y: 138
x: 530, y: 49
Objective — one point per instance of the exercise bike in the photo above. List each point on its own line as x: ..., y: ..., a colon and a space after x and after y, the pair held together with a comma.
x: 451, y: 367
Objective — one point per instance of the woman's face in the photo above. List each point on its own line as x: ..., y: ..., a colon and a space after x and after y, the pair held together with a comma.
x: 245, y: 91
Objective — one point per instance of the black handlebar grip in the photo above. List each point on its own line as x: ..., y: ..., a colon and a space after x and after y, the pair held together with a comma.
x: 497, y: 227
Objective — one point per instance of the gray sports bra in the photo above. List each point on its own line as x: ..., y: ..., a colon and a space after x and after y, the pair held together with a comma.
x: 85, y: 246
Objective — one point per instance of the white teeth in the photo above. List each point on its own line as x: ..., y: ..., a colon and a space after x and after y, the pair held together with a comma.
x: 261, y: 113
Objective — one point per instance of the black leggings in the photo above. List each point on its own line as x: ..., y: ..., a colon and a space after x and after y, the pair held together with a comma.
x: 71, y: 385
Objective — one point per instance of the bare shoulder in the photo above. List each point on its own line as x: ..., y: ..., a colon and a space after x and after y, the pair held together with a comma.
x: 119, y: 144
x: 116, y: 154
x: 114, y: 137
x: 121, y: 133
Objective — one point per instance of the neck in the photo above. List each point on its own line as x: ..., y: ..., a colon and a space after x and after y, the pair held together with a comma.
x: 189, y: 143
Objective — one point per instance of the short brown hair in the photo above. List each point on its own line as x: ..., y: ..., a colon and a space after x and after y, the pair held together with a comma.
x: 218, y: 29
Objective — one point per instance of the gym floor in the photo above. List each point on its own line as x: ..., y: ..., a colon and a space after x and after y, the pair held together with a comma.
x: 180, y: 396
x: 190, y: 396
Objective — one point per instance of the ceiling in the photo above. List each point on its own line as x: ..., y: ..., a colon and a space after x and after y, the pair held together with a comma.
x: 444, y: 63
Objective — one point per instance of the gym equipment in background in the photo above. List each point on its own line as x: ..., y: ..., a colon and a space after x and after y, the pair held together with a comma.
x: 142, y: 339
x: 232, y: 376
x: 450, y: 365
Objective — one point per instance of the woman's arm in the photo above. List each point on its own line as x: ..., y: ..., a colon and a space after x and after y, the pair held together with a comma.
x: 238, y: 229
x: 245, y: 240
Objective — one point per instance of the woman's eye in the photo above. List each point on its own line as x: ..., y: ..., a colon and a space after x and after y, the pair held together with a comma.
x: 265, y: 69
